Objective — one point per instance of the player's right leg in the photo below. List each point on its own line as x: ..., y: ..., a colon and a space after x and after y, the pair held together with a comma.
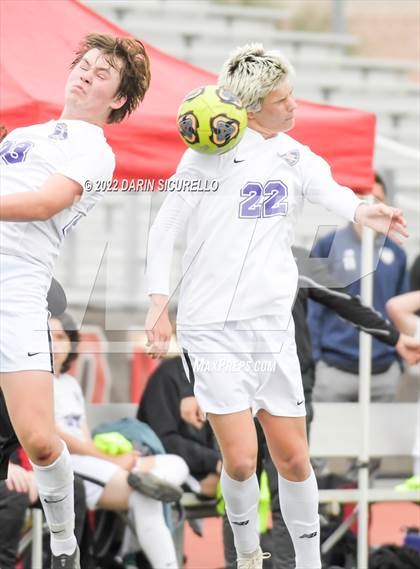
x: 237, y: 438
x: 29, y: 400
x: 215, y: 361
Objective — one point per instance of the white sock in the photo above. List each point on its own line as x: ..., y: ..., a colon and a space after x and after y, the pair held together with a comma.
x: 170, y: 468
x: 299, y: 507
x: 241, y: 499
x: 152, y: 532
x: 130, y: 543
x: 56, y: 492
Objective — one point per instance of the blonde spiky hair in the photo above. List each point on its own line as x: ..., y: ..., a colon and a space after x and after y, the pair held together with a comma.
x: 251, y: 73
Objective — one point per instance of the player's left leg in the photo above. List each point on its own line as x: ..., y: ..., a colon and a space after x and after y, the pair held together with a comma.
x: 298, y: 491
x: 237, y: 439
x: 29, y: 400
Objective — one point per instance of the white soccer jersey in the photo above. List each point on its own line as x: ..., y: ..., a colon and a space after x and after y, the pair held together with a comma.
x: 28, y: 156
x: 238, y: 262
x: 69, y: 405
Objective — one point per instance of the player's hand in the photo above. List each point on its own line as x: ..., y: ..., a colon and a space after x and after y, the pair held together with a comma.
x: 21, y: 480
x: 208, y: 485
x: 191, y: 412
x: 408, y: 348
x: 158, y: 326
x: 383, y: 219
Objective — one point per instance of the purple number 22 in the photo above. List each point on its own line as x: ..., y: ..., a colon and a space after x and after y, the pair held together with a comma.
x: 263, y: 201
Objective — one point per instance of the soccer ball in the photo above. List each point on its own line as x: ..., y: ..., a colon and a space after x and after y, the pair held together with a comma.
x: 211, y: 120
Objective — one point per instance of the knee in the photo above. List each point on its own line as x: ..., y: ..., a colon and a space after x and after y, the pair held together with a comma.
x: 177, y: 470
x: 296, y: 466
x: 240, y: 467
x: 41, y: 447
x: 180, y: 467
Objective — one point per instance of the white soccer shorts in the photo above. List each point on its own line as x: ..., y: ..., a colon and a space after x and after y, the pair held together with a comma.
x: 249, y: 364
x: 25, y: 342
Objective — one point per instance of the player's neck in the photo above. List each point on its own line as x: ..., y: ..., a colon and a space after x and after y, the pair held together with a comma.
x: 72, y: 114
x: 265, y: 132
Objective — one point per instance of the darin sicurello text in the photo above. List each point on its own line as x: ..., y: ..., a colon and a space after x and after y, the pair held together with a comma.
x: 152, y: 185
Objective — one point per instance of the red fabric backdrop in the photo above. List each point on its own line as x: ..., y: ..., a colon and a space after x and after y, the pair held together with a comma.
x: 37, y: 43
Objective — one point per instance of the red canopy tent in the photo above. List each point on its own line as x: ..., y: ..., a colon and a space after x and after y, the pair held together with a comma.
x: 37, y: 42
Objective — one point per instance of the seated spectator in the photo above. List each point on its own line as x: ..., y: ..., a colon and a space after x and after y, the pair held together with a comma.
x: 193, y: 439
x: 152, y: 533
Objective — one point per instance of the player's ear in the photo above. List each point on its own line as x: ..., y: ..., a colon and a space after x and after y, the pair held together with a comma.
x: 118, y: 102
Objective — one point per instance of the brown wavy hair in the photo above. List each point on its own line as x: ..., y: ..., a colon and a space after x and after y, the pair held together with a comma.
x: 3, y: 131
x: 134, y: 71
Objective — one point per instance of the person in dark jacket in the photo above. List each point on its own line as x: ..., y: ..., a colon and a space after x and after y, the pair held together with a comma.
x: 336, y: 345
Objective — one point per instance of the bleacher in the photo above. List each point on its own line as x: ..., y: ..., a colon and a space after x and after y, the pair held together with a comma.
x: 203, y: 33
x: 197, y: 32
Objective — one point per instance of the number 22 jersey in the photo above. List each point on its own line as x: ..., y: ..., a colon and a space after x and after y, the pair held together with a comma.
x: 238, y: 262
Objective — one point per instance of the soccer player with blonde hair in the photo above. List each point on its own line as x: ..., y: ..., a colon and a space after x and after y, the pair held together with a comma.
x: 51, y: 176
x: 239, y: 282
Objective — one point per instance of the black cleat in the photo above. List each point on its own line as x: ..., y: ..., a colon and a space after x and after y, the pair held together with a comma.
x: 154, y: 487
x: 66, y: 561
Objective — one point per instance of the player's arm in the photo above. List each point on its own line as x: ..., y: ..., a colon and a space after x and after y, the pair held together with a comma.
x: 172, y: 217
x: 363, y: 317
x: 350, y: 308
x: 383, y: 219
x: 320, y: 187
x: 56, y: 194
x: 402, y: 311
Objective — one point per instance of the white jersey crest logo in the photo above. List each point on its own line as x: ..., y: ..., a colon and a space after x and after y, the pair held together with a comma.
x: 292, y: 157
x: 60, y: 131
